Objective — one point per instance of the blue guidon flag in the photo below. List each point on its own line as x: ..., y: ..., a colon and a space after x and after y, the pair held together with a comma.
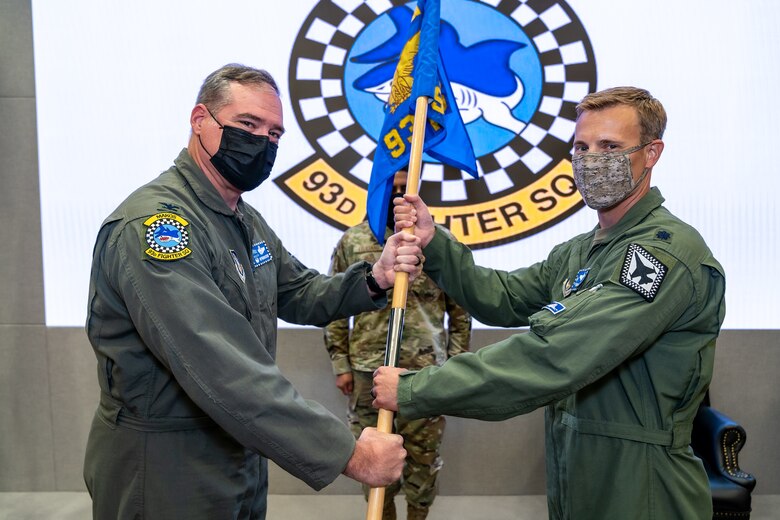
x: 419, y: 72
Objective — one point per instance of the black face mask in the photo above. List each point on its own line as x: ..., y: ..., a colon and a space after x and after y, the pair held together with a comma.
x: 243, y: 159
x: 390, y: 216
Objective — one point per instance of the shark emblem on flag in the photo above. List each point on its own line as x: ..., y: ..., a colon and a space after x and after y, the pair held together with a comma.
x: 483, y: 84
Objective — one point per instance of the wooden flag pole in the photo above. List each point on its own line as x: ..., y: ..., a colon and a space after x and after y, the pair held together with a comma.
x: 376, y: 496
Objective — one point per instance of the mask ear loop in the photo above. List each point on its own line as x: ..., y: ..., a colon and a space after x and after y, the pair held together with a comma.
x: 218, y: 124
x: 633, y: 149
x: 644, y: 171
x: 222, y: 127
x: 639, y: 180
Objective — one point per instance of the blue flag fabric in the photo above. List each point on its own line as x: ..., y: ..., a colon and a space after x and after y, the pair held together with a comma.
x: 420, y: 72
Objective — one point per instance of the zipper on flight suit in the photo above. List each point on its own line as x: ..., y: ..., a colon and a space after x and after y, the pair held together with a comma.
x: 238, y: 218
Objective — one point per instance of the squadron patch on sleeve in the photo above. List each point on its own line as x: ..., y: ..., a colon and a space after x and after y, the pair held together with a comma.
x: 167, y: 236
x: 642, y: 272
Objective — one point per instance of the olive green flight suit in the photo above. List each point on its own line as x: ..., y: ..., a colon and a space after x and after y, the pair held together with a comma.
x: 183, y: 305
x: 620, y: 350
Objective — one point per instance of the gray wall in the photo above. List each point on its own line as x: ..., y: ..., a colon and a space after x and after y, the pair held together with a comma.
x: 48, y: 390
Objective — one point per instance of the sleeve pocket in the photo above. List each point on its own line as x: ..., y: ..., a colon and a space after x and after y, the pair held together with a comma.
x: 559, y: 313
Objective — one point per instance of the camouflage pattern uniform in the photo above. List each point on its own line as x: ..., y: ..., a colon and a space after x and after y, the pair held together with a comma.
x: 425, y: 342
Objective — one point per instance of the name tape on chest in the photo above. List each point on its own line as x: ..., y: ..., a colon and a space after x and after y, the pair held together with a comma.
x: 642, y: 272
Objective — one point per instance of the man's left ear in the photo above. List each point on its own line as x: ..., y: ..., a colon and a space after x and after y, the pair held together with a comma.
x: 654, y: 150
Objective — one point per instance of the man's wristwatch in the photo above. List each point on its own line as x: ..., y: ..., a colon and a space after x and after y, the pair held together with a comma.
x: 371, y: 281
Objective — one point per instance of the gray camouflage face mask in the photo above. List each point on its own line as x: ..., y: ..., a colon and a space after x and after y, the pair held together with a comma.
x: 605, y: 179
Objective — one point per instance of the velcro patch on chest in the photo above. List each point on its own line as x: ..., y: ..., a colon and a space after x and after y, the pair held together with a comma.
x: 260, y: 254
x: 642, y: 272
x: 555, y: 307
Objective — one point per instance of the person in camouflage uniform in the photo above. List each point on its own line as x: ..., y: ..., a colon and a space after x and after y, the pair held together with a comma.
x: 425, y: 342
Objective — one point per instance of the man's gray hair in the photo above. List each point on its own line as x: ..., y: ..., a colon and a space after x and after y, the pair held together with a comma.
x: 215, y: 91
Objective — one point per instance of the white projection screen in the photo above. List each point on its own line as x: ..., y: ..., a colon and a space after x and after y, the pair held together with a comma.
x: 115, y: 83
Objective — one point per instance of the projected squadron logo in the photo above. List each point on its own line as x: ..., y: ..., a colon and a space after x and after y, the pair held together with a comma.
x: 517, y: 72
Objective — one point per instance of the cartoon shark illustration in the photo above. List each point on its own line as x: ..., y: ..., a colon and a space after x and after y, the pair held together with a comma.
x: 165, y: 234
x: 482, y: 82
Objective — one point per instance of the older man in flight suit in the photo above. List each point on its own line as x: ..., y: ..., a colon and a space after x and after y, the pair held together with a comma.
x: 187, y: 283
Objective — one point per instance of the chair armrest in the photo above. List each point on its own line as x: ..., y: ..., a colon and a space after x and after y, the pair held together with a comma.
x: 717, y: 440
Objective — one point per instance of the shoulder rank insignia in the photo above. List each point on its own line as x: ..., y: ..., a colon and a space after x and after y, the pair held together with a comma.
x: 168, y: 206
x: 167, y: 236
x: 642, y: 272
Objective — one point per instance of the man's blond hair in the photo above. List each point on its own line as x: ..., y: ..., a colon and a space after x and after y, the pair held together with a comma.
x: 652, y: 116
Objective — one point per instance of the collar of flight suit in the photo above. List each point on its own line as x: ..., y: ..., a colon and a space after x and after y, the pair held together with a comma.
x: 637, y: 213
x: 204, y: 190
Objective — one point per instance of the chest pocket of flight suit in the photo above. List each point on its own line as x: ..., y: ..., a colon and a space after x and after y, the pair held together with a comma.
x: 233, y: 288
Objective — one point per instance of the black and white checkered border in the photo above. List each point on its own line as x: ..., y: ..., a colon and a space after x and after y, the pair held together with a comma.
x: 569, y: 74
x: 625, y: 276
x: 185, y: 237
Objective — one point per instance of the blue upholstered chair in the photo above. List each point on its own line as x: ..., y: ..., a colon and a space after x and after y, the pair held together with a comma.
x: 717, y: 440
